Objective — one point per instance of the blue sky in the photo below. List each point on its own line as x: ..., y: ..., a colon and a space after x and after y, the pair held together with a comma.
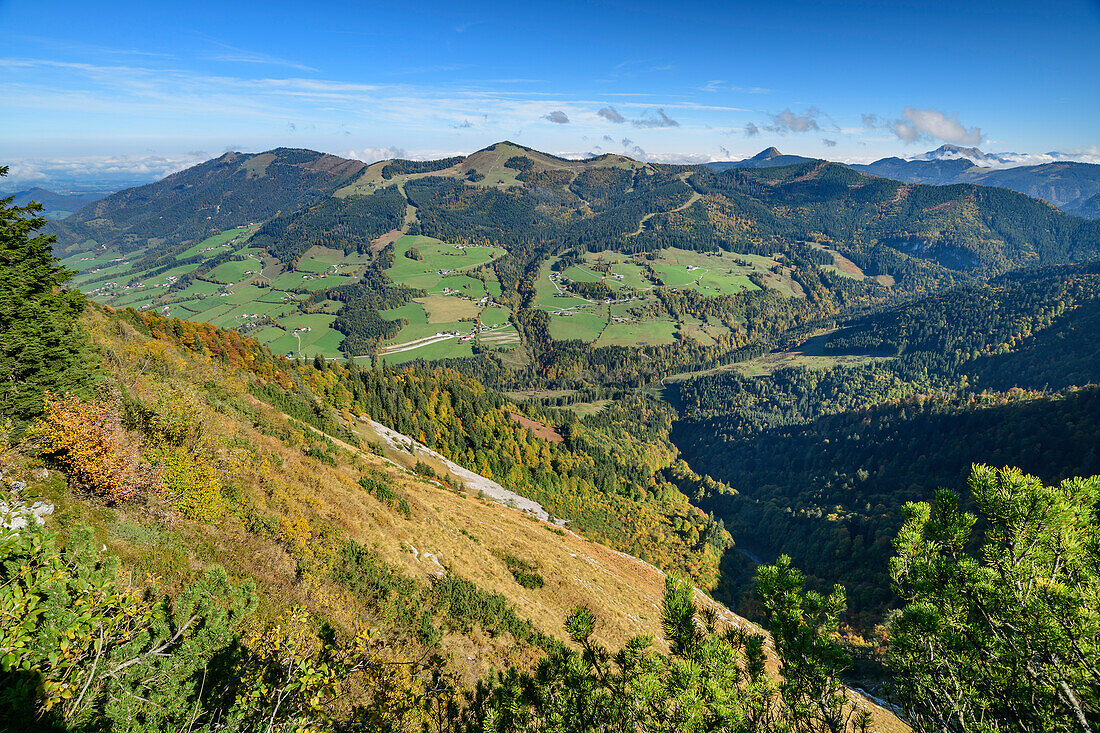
x: 147, y: 87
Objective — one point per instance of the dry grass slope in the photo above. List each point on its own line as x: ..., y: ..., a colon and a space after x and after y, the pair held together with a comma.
x: 309, y: 507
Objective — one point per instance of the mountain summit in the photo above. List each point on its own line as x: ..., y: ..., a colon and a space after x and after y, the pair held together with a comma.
x: 974, y: 155
x: 768, y: 154
x: 767, y: 158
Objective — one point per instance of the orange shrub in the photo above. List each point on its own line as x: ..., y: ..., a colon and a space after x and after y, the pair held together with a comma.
x: 89, y: 440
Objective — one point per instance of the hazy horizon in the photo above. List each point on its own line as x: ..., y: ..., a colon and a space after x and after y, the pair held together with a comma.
x: 141, y: 91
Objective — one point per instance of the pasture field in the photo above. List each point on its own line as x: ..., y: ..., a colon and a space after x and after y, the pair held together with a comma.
x: 236, y: 270
x: 630, y: 275
x: 586, y: 409
x: 460, y: 285
x: 417, y: 331
x: 698, y: 331
x: 442, y: 350
x: 643, y: 333
x: 320, y: 339
x: 447, y: 309
x: 495, y: 315
x: 414, y: 312
x: 640, y: 319
x: 101, y: 271
x: 84, y: 262
x: 677, y: 276
x: 317, y: 260
x: 621, y: 271
x: 454, y: 300
x: 710, y: 273
x: 320, y: 260
x: 215, y: 245
x: 308, y: 281
x: 841, y: 265
x: 232, y: 304
x: 783, y: 283
x: 436, y: 256
x: 504, y: 337
x: 583, y: 326
x: 581, y: 274
x: 551, y: 297
x: 197, y: 287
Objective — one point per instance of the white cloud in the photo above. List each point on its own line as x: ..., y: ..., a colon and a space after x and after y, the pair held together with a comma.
x: 936, y: 124
x: 557, y: 117
x: 373, y: 155
x: 923, y: 125
x: 98, y: 169
x: 787, y: 121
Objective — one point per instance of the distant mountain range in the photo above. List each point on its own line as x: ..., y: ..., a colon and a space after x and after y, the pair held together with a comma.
x: 57, y: 205
x: 770, y: 158
x: 1073, y: 187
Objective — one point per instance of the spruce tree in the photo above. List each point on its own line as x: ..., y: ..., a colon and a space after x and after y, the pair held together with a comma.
x: 42, y: 345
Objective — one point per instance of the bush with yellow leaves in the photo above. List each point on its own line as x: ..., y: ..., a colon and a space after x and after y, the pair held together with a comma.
x: 88, y: 439
x: 192, y: 485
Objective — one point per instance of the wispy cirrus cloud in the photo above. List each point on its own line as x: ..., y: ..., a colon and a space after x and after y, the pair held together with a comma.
x: 232, y: 54
x: 90, y: 49
x: 463, y: 27
x: 131, y: 90
x: 718, y: 85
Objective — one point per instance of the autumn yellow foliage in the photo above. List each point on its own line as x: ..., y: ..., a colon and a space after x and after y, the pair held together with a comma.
x: 193, y: 486
x: 87, y: 438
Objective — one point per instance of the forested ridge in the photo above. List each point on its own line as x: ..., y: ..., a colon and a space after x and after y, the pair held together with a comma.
x: 229, y: 191
x: 822, y: 460
x: 348, y: 224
